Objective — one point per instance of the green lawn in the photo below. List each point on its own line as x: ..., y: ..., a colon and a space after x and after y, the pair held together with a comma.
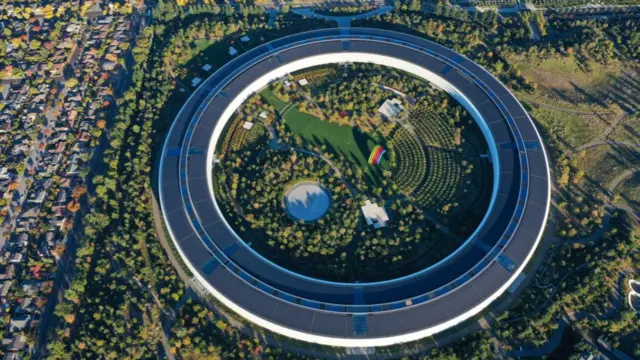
x: 342, y: 139
x: 272, y: 99
x: 337, y: 139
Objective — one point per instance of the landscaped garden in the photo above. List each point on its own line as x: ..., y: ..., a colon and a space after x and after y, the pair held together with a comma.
x: 299, y: 160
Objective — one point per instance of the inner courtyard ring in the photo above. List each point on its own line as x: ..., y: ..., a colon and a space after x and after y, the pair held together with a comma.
x: 354, y: 57
x: 354, y: 314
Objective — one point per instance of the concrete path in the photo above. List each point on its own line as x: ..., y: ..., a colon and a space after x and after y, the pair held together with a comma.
x: 343, y: 21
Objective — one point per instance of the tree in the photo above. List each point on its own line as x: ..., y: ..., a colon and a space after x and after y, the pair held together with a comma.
x: 71, y: 83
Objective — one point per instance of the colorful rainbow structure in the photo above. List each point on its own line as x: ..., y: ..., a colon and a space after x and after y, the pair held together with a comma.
x: 376, y: 155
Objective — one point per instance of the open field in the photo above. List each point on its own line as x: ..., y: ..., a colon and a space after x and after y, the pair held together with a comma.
x: 629, y: 191
x: 629, y: 130
x: 577, y: 102
x: 603, y: 163
x: 270, y: 98
x: 341, y: 140
x: 566, y: 73
x: 574, y: 129
x: 346, y: 141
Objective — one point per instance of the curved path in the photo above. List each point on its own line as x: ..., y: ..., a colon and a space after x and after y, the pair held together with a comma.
x: 602, y: 138
x: 613, y: 184
x: 344, y: 21
x: 597, y: 143
x: 356, y: 314
x: 566, y: 320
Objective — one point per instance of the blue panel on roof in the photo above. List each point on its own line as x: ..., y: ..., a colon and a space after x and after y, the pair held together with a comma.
x: 244, y: 276
x: 506, y: 262
x: 359, y: 309
x: 173, y: 152
x: 231, y: 249
x: 360, y: 327
x: 210, y: 266
x: 419, y: 300
x: 358, y: 296
x: 532, y: 145
x: 286, y: 297
x: 311, y: 304
x: 197, y: 226
x: 266, y: 288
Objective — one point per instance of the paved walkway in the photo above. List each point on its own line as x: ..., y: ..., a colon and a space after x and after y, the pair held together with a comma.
x: 343, y: 21
x: 553, y: 343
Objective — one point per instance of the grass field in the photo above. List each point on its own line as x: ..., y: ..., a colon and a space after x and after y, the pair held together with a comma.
x: 344, y: 140
x: 572, y: 128
x: 604, y: 163
x: 629, y: 130
x: 629, y: 191
x: 572, y: 100
x: 566, y: 73
x: 338, y: 139
x: 270, y: 98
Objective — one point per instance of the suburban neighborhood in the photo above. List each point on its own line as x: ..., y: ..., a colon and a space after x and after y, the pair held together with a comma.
x: 49, y: 131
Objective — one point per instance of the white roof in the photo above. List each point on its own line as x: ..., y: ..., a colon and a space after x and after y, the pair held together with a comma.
x: 207, y: 67
x: 196, y: 81
x: 391, y: 108
x: 247, y: 125
x: 303, y: 82
x: 232, y: 51
x: 374, y: 214
x: 264, y: 114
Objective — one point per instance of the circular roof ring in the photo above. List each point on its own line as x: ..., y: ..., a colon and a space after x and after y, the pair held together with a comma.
x: 356, y: 314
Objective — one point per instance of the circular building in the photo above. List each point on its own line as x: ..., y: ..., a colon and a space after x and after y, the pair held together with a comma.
x: 356, y: 314
x: 307, y: 201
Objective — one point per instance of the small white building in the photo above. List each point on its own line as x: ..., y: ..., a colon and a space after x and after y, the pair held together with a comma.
x: 391, y: 108
x: 232, y: 51
x: 245, y: 38
x: 303, y: 82
x: 196, y: 81
x: 374, y: 214
x: 207, y: 67
x: 264, y: 114
x: 74, y: 28
x: 247, y: 125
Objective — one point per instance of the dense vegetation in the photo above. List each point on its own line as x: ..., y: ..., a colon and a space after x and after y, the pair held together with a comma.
x: 106, y: 314
x: 324, y: 130
x: 123, y: 283
x: 577, y: 277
